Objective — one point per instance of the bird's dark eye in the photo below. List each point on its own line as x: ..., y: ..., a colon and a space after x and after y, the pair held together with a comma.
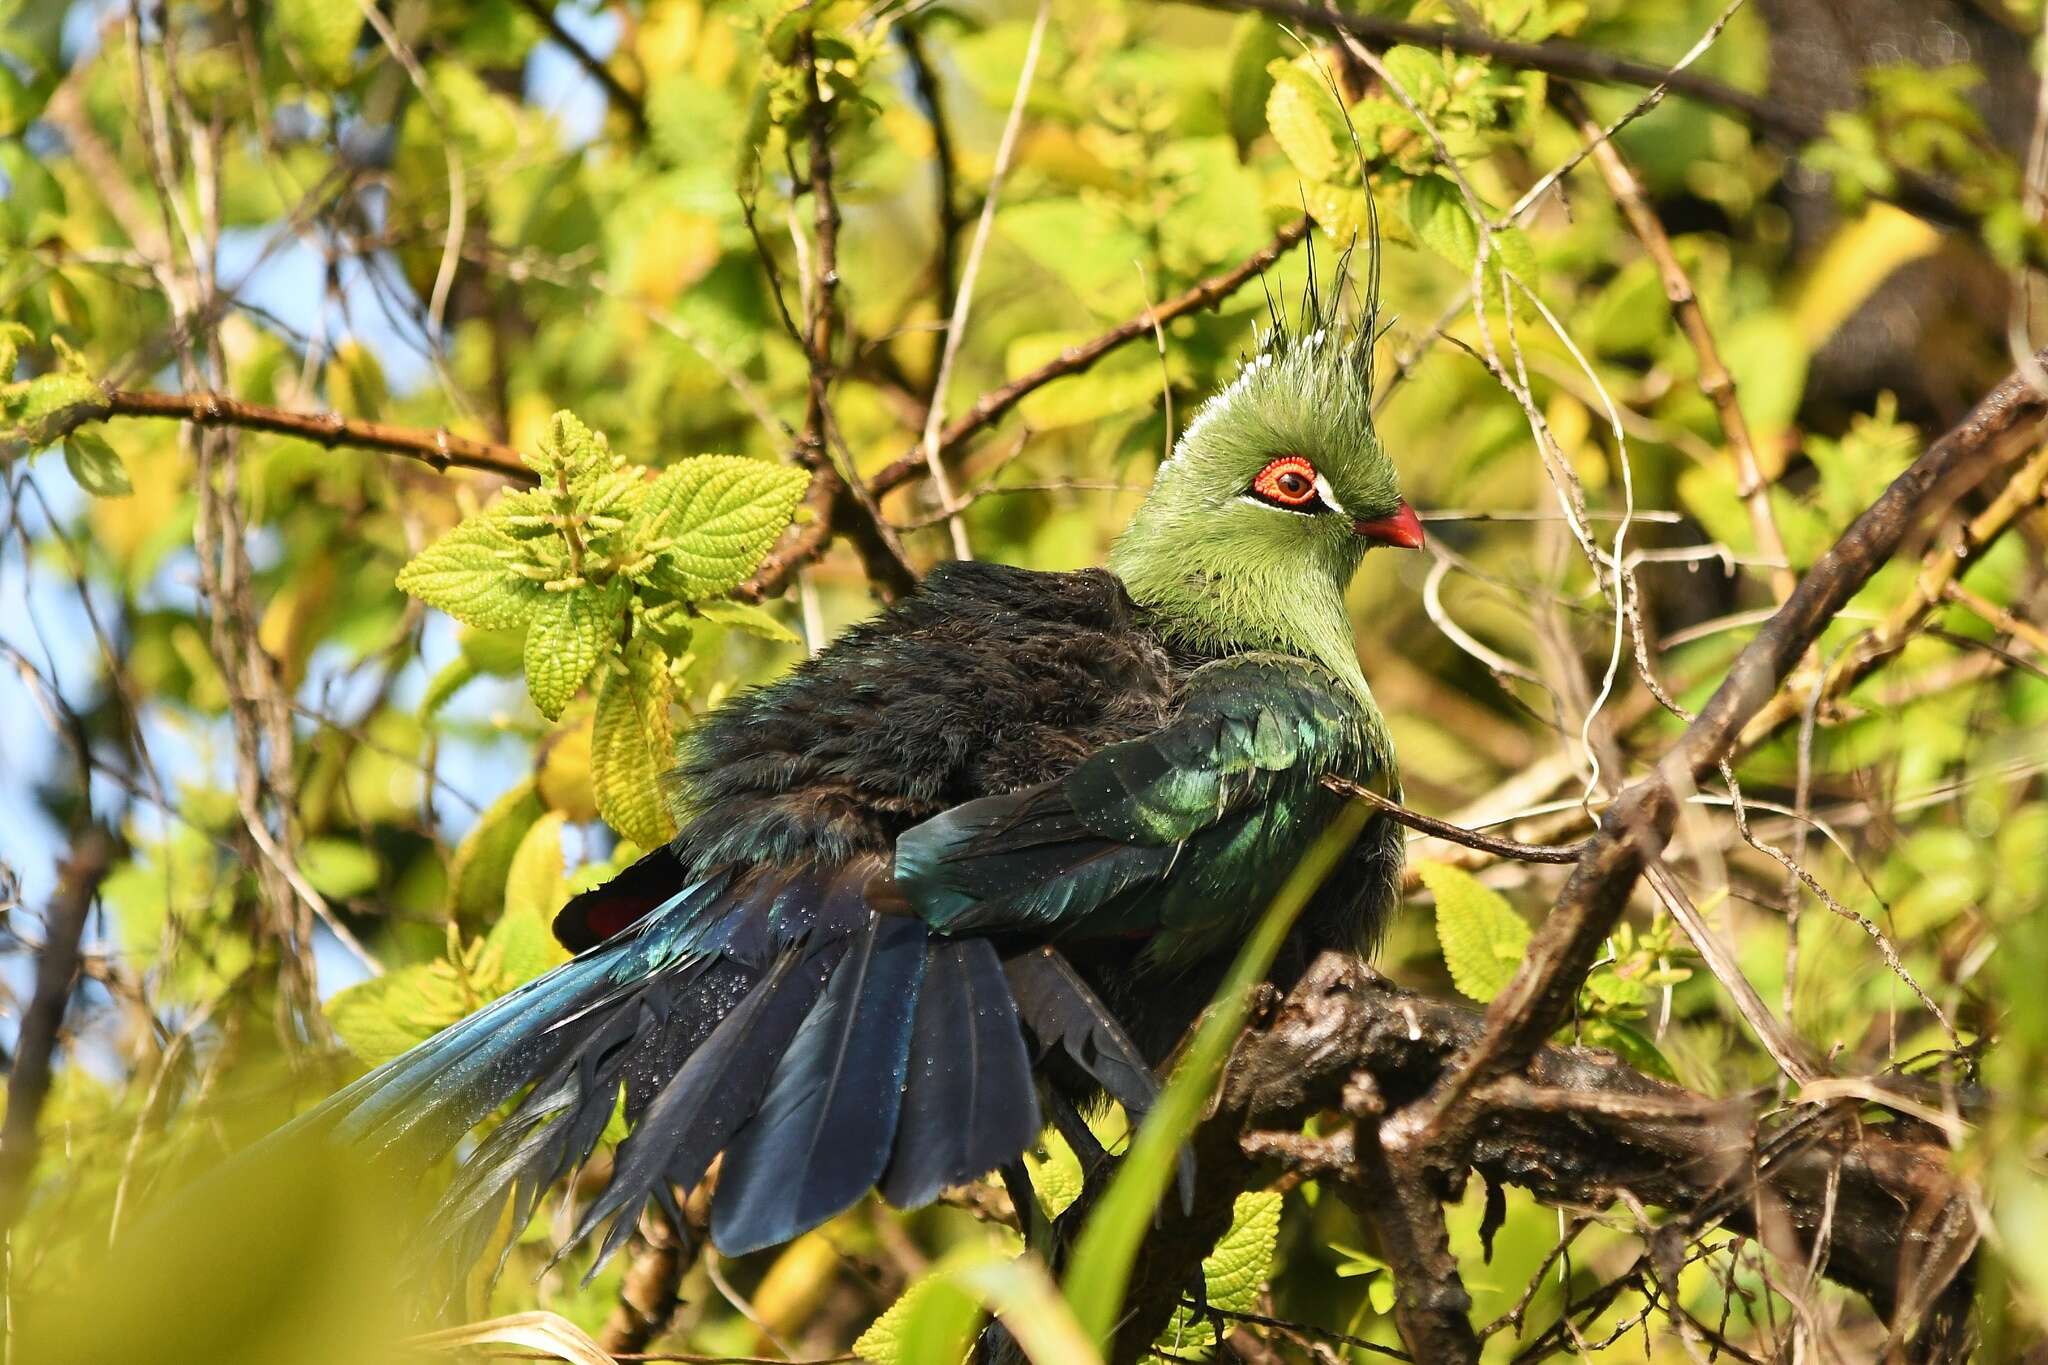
x: 1288, y: 482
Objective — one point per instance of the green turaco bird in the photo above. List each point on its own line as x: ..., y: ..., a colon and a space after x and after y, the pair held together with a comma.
x: 986, y: 852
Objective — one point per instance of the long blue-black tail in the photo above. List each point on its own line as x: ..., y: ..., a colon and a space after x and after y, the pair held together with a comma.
x: 775, y: 1019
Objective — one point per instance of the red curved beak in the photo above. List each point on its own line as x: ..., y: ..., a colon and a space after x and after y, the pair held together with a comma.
x: 1403, y: 529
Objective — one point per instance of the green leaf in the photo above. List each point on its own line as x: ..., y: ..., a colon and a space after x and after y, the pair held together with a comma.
x: 483, y: 860
x: 320, y: 35
x: 13, y: 336
x: 569, y: 633
x: 456, y: 675
x: 569, y: 450
x: 1436, y: 213
x: 1305, y: 120
x: 1232, y: 1274
x: 1482, y: 937
x: 749, y: 618
x: 1255, y: 44
x: 932, y: 1320
x: 465, y: 574
x: 631, y: 746
x: 390, y: 1014
x: 523, y: 939
x: 720, y: 513
x: 1629, y: 1044
x: 51, y: 393
x: 338, y: 868
x: 96, y: 465
x: 19, y: 104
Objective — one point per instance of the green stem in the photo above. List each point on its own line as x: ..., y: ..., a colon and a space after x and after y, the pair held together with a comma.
x: 1101, y: 1269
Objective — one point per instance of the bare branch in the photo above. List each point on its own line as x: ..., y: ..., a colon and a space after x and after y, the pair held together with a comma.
x: 440, y: 448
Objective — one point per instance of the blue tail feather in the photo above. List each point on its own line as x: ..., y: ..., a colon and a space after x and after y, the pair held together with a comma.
x: 822, y: 1133
x: 968, y: 1104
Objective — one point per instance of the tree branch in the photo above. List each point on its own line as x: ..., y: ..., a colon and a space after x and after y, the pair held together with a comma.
x: 1579, y: 1128
x: 28, y: 1081
x: 1540, y: 996
x: 1918, y: 194
x: 809, y: 540
x: 615, y: 91
x: 440, y: 448
x: 1077, y: 359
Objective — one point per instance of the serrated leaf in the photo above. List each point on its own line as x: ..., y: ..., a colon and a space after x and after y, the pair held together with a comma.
x: 320, y: 35
x: 1232, y: 1274
x: 568, y: 449
x: 1483, y: 939
x: 13, y: 336
x: 1305, y: 122
x: 464, y: 574
x: 721, y: 513
x: 749, y: 618
x: 1056, y: 1178
x: 52, y: 393
x: 926, y: 1323
x: 631, y: 746
x: 96, y: 466
x: 569, y: 633
x: 477, y: 872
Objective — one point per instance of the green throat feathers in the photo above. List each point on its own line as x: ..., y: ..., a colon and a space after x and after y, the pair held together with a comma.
x: 1255, y: 526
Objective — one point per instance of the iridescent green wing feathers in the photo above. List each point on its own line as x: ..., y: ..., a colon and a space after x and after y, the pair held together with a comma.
x: 1225, y: 797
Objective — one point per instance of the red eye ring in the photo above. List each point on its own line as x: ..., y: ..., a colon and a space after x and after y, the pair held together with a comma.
x: 1289, y: 481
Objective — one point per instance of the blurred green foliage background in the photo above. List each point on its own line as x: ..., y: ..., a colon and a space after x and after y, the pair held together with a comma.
x: 472, y: 214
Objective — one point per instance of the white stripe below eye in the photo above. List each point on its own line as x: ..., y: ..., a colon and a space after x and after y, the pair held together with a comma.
x: 1329, y: 498
x: 1257, y: 501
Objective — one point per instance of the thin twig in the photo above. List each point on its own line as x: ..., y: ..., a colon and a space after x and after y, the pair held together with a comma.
x: 28, y: 1081
x: 1714, y: 380
x: 1076, y: 359
x: 963, y: 300
x: 1455, y: 834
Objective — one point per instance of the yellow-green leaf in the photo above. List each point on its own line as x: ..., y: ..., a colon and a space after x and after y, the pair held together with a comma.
x: 1232, y: 1274
x: 569, y: 633
x: 523, y: 939
x: 719, y: 514
x: 631, y: 746
x: 749, y: 618
x: 464, y: 574
x: 96, y: 466
x: 393, y: 1013
x: 320, y: 35
x: 1305, y: 120
x: 1482, y: 937
x: 476, y: 874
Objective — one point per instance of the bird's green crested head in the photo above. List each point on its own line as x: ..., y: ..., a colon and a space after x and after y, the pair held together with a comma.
x: 1273, y: 495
